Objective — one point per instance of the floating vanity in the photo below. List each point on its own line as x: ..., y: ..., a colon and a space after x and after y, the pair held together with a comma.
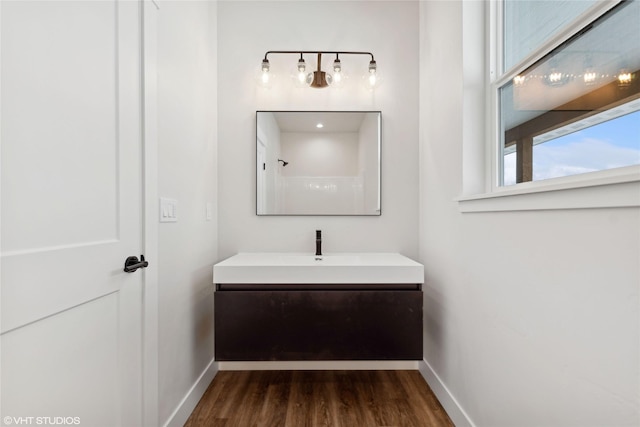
x: 280, y: 306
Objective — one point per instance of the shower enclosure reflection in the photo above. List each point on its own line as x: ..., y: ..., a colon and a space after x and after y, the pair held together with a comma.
x: 318, y: 162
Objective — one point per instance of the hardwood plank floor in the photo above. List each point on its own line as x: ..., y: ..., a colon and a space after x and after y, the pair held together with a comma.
x: 319, y: 398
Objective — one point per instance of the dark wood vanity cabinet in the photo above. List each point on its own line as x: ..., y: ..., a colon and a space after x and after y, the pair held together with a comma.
x: 318, y: 322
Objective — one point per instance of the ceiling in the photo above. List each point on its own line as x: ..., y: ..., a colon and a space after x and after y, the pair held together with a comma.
x: 306, y: 121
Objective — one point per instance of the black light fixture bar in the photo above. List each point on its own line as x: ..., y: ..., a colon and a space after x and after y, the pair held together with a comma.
x: 318, y: 78
x: 322, y: 52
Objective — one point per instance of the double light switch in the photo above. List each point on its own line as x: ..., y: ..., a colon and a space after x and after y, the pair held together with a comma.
x: 168, y: 210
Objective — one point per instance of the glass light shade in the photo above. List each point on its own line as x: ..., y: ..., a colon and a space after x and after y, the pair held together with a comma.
x: 556, y: 78
x: 300, y: 79
x: 624, y: 78
x: 265, y: 76
x: 338, y: 79
x: 265, y: 79
x: 519, y: 80
x: 338, y: 75
x: 300, y: 74
x: 590, y: 76
x: 372, y: 78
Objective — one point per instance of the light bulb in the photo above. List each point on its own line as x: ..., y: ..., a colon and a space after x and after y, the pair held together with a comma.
x: 555, y: 77
x: 265, y: 77
x: 338, y: 74
x: 372, y: 78
x: 300, y: 76
x: 624, y: 78
x: 519, y: 80
x: 589, y: 77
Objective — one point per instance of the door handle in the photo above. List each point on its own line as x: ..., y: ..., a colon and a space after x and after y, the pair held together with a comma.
x: 132, y: 263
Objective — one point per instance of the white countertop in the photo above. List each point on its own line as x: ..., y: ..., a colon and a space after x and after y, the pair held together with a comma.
x: 332, y: 268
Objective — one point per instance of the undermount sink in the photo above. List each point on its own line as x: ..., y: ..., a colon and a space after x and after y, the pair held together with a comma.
x: 338, y: 268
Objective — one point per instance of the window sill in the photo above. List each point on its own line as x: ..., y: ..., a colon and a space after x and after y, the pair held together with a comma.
x: 605, y: 189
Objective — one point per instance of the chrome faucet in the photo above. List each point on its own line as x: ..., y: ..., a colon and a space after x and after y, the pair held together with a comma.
x: 318, y: 242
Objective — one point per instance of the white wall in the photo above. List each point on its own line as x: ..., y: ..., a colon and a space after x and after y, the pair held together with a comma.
x: 531, y: 317
x: 246, y: 30
x: 187, y: 172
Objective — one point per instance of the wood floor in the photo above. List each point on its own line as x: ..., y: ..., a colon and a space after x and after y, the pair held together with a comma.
x: 318, y: 398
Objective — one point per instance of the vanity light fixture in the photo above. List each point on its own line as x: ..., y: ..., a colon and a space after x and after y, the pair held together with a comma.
x: 319, y: 78
x: 624, y: 78
x: 590, y: 75
x: 557, y: 78
x: 519, y: 80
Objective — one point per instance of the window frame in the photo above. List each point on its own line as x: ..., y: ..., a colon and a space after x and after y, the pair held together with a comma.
x: 609, y: 188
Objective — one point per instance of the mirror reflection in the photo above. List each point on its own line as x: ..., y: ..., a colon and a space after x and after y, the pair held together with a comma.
x: 318, y: 162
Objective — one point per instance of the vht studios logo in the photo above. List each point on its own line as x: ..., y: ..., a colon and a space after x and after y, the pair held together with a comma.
x: 41, y: 421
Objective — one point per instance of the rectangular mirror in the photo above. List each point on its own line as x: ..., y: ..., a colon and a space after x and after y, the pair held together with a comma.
x: 318, y: 162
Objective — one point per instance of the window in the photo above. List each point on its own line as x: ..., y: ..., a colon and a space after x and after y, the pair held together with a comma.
x: 528, y: 24
x: 572, y: 107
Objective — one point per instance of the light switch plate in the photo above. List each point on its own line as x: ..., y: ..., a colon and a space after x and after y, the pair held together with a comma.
x: 168, y: 210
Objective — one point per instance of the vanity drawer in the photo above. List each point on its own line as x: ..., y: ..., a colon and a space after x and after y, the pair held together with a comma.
x: 318, y: 324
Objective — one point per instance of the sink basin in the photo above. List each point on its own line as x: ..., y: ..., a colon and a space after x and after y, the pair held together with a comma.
x: 296, y: 268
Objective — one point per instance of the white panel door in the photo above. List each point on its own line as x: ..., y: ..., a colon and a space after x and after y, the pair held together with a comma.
x: 71, y: 195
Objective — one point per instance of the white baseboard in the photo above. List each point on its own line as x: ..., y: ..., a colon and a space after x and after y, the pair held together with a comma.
x: 448, y: 402
x: 329, y: 365
x: 193, y: 396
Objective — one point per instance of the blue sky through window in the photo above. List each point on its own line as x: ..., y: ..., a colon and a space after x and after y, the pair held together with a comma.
x: 611, y: 144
